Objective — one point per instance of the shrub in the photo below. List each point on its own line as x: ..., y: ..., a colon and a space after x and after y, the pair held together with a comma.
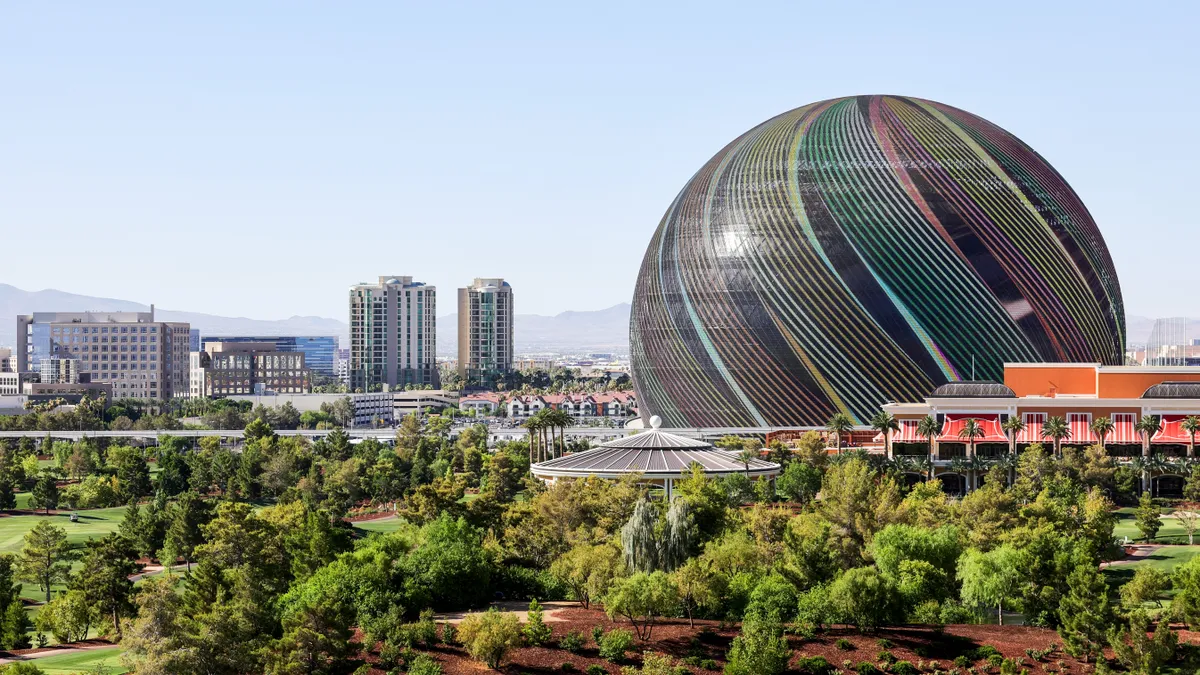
x: 709, y: 664
x: 488, y: 636
x: 536, y: 632
x: 962, y: 661
x: 614, y: 644
x: 655, y: 664
x: 995, y: 660
x: 867, y: 668
x: 1010, y: 667
x: 595, y: 669
x: 760, y: 649
x: 692, y: 660
x: 597, y: 633
x: 886, y: 657
x: 448, y: 633
x: 423, y: 664
x: 814, y: 665
x: 984, y: 652
x: 571, y: 642
x: 425, y: 630
x: 567, y: 667
x: 884, y: 643
x: 847, y: 664
x: 865, y: 599
x: 843, y: 644
x: 904, y: 668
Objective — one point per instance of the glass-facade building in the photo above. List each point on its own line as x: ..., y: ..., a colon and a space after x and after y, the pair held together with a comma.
x: 319, y: 351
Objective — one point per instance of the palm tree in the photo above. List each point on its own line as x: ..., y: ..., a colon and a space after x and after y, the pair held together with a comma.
x: 970, y: 431
x: 884, y: 422
x: 1056, y: 429
x: 1013, y: 426
x: 1191, y: 424
x: 1147, y: 426
x: 960, y: 466
x: 1102, y: 427
x: 1156, y: 463
x: 559, y: 420
x: 533, y: 425
x: 839, y: 424
x: 929, y: 428
x: 1009, y: 464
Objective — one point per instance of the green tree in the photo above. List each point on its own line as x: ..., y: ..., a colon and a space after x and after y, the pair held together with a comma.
x: 990, y: 579
x: 840, y: 423
x: 317, y: 619
x: 1186, y: 604
x: 258, y: 430
x: 1084, y: 615
x: 589, y: 570
x: 133, y: 477
x: 858, y: 503
x: 535, y: 630
x: 69, y: 617
x: 1143, y: 654
x: 489, y: 636
x: 799, y: 482
x: 1147, y: 585
x: 104, y: 579
x: 642, y: 598
x: 760, y: 649
x: 1056, y: 429
x: 1190, y: 425
x: 1102, y: 427
x: 14, y: 622
x: 46, y: 557
x: 697, y: 587
x: 44, y: 494
x: 188, y: 515
x: 156, y: 643
x: 1147, y: 517
x: 885, y: 423
x: 864, y: 598
x: 928, y: 428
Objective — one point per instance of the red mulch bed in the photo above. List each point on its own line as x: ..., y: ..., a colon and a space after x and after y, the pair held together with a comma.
x: 69, y: 645
x: 673, y: 637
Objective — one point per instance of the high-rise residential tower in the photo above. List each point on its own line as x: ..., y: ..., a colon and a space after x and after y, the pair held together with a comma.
x: 140, y: 357
x: 393, y: 339
x: 485, y: 329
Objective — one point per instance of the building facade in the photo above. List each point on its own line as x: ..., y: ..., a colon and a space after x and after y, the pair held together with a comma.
x: 8, y: 362
x: 226, y: 368
x: 393, y: 334
x: 141, y: 357
x: 320, y: 352
x: 1145, y: 405
x: 55, y: 370
x: 485, y: 329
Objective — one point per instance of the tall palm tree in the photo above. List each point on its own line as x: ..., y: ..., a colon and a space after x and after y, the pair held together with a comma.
x: 885, y: 423
x: 929, y: 428
x: 1056, y: 429
x: 1102, y: 427
x: 1156, y: 463
x: 1147, y: 426
x: 839, y: 424
x: 1013, y: 426
x: 1191, y: 424
x: 533, y: 425
x: 970, y: 431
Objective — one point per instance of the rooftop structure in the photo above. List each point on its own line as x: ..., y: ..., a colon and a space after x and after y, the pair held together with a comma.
x: 657, y: 456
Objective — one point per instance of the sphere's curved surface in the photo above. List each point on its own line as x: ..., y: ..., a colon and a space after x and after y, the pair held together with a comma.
x: 863, y: 250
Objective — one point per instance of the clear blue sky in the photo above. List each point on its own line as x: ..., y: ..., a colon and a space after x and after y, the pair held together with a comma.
x: 261, y: 157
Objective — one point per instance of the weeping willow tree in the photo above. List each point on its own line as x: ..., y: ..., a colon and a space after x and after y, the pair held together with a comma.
x: 653, y: 541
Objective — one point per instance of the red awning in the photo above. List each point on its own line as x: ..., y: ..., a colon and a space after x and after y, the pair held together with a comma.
x: 1032, y: 433
x: 1123, y: 429
x: 908, y: 432
x: 1172, y: 432
x: 1081, y: 429
x: 992, y: 433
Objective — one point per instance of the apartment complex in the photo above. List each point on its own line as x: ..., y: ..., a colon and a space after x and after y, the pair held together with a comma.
x: 226, y: 368
x: 319, y: 351
x: 485, y: 329
x: 393, y: 339
x: 138, y: 356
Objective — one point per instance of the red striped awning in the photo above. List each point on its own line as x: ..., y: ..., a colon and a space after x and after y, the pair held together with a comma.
x: 992, y: 433
x: 1081, y: 429
x: 1123, y: 429
x: 1032, y: 433
x: 1172, y: 432
x: 908, y: 432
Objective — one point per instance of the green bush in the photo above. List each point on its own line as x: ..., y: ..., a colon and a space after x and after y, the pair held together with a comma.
x: 843, y: 644
x: 995, y: 660
x: 709, y: 664
x: 423, y: 664
x: 425, y: 630
x: 595, y: 669
x: 962, y: 661
x: 535, y: 630
x: 884, y: 643
x: 867, y: 668
x: 984, y: 652
x: 567, y: 667
x: 614, y: 644
x: 814, y: 665
x: 597, y: 633
x: 448, y: 633
x: 904, y: 668
x: 489, y: 636
x: 886, y: 657
x: 571, y: 642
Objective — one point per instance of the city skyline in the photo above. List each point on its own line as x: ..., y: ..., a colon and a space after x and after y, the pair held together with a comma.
x: 459, y: 133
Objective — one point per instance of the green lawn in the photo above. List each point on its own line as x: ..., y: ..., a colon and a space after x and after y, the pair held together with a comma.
x: 1165, y: 559
x: 1171, y: 531
x: 385, y: 525
x: 65, y: 664
x: 92, y: 523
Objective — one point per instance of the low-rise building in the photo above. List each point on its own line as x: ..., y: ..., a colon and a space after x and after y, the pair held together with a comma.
x: 249, y: 368
x: 13, y: 384
x: 8, y: 362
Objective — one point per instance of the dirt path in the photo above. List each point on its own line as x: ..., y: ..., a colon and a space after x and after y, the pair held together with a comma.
x: 1140, y: 552
x: 550, y: 610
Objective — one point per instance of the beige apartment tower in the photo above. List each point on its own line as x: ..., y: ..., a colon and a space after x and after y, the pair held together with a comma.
x: 485, y: 329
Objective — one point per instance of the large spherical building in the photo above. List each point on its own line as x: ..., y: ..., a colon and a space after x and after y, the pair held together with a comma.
x: 863, y: 250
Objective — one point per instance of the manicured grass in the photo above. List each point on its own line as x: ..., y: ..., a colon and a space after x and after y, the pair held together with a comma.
x: 1171, y: 531
x: 1166, y: 559
x: 65, y: 664
x: 92, y: 523
x: 384, y: 525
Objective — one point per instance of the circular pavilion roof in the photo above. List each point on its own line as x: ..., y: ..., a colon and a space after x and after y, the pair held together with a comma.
x: 1173, y: 390
x: 653, y: 453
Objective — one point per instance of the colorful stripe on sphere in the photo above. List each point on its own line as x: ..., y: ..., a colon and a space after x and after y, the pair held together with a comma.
x: 858, y: 251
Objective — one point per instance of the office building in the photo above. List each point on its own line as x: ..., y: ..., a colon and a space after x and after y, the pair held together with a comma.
x: 319, y: 351
x: 55, y: 370
x: 393, y: 340
x: 8, y: 362
x: 226, y: 368
x: 140, y: 357
x: 485, y: 329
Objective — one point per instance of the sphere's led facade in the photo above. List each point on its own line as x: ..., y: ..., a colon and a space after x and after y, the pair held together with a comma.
x: 863, y: 250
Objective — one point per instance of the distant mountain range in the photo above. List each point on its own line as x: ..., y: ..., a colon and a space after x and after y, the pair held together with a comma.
x: 605, y: 330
